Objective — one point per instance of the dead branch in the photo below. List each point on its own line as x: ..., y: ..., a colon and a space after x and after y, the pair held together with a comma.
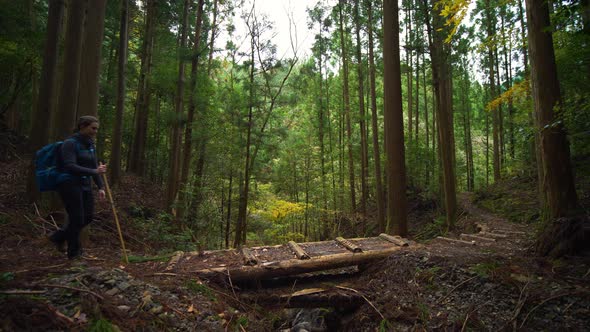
x: 40, y: 268
x: 21, y: 292
x: 72, y: 288
x: 364, y: 297
x: 454, y: 288
x: 543, y: 302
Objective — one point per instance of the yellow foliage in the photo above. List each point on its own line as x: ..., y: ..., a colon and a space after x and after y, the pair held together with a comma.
x: 454, y: 11
x: 282, y: 209
x: 518, y: 90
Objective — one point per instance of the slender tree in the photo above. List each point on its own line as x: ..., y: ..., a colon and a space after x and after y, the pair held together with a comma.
x: 346, y: 96
x: 441, y: 76
x: 375, y: 126
x: 137, y: 155
x: 175, y: 138
x: 188, y: 133
x: 362, y: 123
x: 115, y: 164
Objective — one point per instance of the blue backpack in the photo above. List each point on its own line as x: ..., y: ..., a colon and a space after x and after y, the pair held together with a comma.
x: 46, y: 170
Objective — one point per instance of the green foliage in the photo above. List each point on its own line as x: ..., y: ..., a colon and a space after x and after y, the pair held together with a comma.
x: 384, y: 326
x: 141, y: 259
x: 427, y: 276
x: 437, y: 227
x: 485, y: 269
x: 102, y: 325
x: 423, y: 311
x: 198, y: 287
x: 242, y: 321
x: 160, y: 229
x: 6, y: 276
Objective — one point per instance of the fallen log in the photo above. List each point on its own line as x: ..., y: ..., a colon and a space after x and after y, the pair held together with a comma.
x: 471, y: 243
x: 506, y: 231
x: 249, y: 258
x: 397, y: 240
x: 475, y: 237
x: 295, y: 266
x: 174, y: 261
x: 299, y: 252
x: 348, y: 245
x: 493, y: 235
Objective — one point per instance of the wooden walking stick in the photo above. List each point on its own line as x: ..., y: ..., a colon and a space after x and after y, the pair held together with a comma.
x: 106, y: 184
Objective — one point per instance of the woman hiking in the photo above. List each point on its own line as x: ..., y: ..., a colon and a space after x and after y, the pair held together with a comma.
x: 78, y: 160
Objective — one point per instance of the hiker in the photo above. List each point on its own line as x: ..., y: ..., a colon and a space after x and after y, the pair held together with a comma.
x: 77, y: 158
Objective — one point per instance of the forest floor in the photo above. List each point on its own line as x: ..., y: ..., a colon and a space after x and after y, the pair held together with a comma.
x: 433, y: 284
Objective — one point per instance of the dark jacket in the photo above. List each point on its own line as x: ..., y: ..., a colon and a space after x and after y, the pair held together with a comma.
x: 78, y: 157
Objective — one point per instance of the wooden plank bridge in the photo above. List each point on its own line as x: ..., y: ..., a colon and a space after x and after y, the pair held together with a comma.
x: 266, y: 262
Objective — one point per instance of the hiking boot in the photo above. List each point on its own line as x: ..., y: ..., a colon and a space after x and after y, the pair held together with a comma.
x: 59, y: 245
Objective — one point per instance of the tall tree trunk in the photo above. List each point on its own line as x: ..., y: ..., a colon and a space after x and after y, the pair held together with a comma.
x: 240, y: 238
x: 375, y: 127
x: 558, y: 176
x: 188, y: 133
x: 41, y: 128
x: 409, y: 73
x: 115, y: 164
x: 425, y: 115
x: 90, y: 73
x: 346, y: 97
x: 65, y: 118
x: 137, y: 160
x: 501, y: 141
x: 364, y: 145
x: 417, y: 121
x: 394, y: 124
x: 492, y: 69
x: 442, y: 85
x: 175, y: 138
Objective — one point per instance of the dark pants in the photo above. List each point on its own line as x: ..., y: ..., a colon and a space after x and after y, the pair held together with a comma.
x: 79, y: 205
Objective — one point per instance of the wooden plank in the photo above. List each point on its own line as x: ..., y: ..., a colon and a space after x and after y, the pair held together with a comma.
x: 348, y: 245
x: 299, y: 252
x: 249, y: 258
x: 397, y: 240
x: 295, y: 266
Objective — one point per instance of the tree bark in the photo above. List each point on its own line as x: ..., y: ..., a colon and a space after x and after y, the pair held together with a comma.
x: 558, y: 176
x: 492, y: 69
x: 296, y: 266
x: 394, y: 125
x: 175, y: 138
x: 188, y: 133
x: 137, y: 157
x: 364, y: 145
x: 115, y: 164
x: 442, y: 86
x: 90, y: 73
x: 65, y: 118
x: 375, y: 127
x: 346, y: 96
x: 41, y: 128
